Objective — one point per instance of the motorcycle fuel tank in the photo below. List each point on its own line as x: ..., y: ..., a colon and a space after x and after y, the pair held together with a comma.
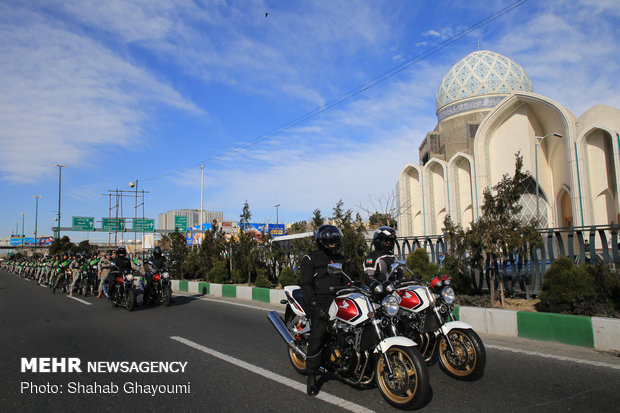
x: 413, y: 298
x: 349, y: 308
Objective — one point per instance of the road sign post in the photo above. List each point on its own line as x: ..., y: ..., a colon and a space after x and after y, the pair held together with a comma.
x: 143, y: 225
x: 83, y: 224
x: 180, y: 223
x: 112, y: 224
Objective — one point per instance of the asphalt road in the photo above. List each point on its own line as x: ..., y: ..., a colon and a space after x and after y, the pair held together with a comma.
x: 234, y: 361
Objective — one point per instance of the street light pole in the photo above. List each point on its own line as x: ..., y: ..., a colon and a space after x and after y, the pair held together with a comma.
x: 538, y: 141
x: 23, y: 214
x: 202, y: 193
x: 277, y: 217
x: 36, y: 219
x: 59, y: 186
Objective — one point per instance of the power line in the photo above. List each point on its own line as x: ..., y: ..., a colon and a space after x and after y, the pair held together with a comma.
x: 359, y: 89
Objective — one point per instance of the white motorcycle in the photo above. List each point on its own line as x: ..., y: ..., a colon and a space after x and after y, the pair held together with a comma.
x: 356, y: 350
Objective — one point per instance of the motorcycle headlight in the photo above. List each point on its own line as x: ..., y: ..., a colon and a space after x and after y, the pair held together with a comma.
x: 165, y: 275
x: 129, y: 277
x: 448, y: 295
x: 390, y: 305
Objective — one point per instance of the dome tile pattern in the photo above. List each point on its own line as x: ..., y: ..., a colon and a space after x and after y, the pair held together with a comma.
x: 481, y: 73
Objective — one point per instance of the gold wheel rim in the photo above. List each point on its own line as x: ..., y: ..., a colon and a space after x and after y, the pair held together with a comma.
x: 296, y: 360
x: 404, y: 372
x: 465, y: 359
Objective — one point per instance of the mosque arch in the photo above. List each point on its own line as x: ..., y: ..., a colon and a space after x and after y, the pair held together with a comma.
x: 565, y: 209
x: 599, y: 172
x: 461, y: 172
x: 515, y: 126
x: 410, y: 200
x: 438, y: 202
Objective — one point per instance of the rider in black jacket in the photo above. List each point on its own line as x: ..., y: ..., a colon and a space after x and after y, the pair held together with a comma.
x: 315, y: 287
x: 378, y: 263
x: 157, y: 263
x: 124, y: 265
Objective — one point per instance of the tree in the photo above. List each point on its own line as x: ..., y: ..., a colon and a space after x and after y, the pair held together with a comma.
x: 178, y: 252
x: 378, y: 219
x: 499, y: 231
x: 297, y: 227
x: 384, y: 210
x: 317, y: 219
x: 353, y: 245
x: 60, y: 245
x: 246, y: 215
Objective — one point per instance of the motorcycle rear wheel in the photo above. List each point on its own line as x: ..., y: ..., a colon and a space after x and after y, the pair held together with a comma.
x: 467, y: 362
x: 299, y: 363
x: 409, y: 385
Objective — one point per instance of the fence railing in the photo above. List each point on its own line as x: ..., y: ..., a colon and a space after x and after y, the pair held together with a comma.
x: 524, y: 273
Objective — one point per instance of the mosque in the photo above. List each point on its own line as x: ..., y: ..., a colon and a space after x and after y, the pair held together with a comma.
x: 487, y: 111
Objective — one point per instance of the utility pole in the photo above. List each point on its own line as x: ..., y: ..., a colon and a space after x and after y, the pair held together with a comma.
x: 59, y: 186
x: 36, y: 220
x: 202, y: 194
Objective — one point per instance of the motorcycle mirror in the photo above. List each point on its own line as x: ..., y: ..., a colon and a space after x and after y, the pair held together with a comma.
x: 334, y: 268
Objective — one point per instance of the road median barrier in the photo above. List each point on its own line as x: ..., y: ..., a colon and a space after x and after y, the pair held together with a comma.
x: 593, y: 332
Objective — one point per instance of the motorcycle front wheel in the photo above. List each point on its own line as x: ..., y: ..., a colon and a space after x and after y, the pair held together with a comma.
x: 166, y: 296
x: 131, y: 300
x: 408, y: 387
x: 469, y: 357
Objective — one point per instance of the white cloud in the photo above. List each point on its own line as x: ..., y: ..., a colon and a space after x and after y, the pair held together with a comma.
x: 64, y: 94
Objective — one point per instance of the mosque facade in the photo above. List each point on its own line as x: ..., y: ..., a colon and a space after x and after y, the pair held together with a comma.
x: 487, y: 111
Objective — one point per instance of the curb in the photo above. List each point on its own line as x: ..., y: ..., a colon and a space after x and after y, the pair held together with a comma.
x: 592, y: 332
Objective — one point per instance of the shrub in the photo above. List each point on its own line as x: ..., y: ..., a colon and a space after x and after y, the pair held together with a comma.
x: 219, y: 273
x: 262, y: 282
x: 568, y: 288
x: 288, y: 277
x: 191, y: 266
x: 238, y: 277
x: 459, y: 279
x: 419, y: 263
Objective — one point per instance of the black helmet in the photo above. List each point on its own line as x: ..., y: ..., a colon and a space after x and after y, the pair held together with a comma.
x: 384, y: 239
x: 121, y: 252
x: 157, y: 251
x: 328, y: 238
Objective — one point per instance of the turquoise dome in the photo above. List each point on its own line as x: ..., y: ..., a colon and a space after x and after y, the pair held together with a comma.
x: 481, y: 73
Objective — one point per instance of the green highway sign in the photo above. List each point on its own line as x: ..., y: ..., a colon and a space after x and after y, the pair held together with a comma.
x: 83, y: 224
x: 180, y: 223
x: 112, y: 224
x: 143, y: 225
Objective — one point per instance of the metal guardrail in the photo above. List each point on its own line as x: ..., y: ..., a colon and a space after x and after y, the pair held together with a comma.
x: 525, y: 273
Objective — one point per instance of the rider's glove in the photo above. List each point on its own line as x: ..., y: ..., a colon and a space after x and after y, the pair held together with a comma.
x: 320, y: 313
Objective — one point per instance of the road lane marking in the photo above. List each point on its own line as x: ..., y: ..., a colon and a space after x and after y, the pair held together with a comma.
x: 326, y: 397
x: 80, y: 300
x: 552, y: 356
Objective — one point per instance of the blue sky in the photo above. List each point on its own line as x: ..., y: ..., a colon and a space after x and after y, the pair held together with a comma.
x: 148, y: 90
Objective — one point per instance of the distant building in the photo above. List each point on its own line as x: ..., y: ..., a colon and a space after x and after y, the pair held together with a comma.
x: 166, y: 220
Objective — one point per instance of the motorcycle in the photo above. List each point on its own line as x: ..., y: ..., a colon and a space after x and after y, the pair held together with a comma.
x: 161, y: 288
x: 122, y: 292
x: 425, y: 316
x: 356, y: 350
x: 65, y: 280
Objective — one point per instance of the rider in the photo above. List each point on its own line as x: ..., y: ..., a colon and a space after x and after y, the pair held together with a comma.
x: 377, y: 264
x: 156, y: 264
x: 123, y: 264
x: 315, y: 287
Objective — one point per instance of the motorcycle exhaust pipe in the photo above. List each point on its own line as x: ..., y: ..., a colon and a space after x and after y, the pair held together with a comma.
x: 280, y: 327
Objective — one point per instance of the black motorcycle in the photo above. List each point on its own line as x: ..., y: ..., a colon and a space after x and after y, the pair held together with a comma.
x: 161, y: 288
x: 121, y: 289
